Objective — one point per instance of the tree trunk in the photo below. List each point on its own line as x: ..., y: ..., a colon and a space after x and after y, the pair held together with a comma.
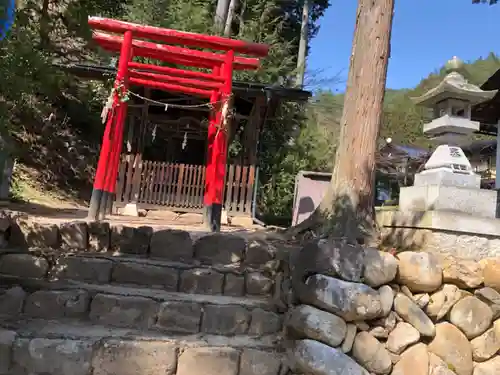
x: 347, y: 209
x: 304, y: 37
x: 230, y: 16
x: 221, y: 15
x: 44, y: 25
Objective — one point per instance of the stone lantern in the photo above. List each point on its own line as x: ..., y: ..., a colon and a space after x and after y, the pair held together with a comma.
x: 448, y: 181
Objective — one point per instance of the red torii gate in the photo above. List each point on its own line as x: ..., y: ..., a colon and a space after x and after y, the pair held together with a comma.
x: 217, y: 86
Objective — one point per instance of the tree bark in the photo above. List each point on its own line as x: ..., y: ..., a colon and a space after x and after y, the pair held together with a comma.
x: 304, y: 37
x: 230, y: 16
x: 44, y: 25
x: 347, y: 209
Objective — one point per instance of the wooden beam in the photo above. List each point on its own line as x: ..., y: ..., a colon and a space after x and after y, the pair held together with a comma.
x: 252, y: 129
x: 180, y: 37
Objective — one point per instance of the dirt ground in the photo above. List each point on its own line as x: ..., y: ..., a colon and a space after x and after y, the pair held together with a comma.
x: 70, y: 212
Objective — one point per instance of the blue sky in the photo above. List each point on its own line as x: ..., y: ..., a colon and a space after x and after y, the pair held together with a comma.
x: 426, y: 33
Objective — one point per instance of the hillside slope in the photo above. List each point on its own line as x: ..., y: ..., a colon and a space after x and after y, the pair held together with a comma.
x: 402, y: 119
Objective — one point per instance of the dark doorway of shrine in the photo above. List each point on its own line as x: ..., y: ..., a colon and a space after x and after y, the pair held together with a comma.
x: 166, y: 143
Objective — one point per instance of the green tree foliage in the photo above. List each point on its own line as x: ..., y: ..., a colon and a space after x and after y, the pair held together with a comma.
x: 44, y: 109
x: 315, y: 144
x: 44, y: 114
x: 403, y: 120
x: 310, y: 147
x: 276, y: 23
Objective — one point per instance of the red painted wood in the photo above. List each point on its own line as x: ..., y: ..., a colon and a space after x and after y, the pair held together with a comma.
x: 169, y: 79
x: 159, y: 56
x: 180, y: 37
x: 170, y: 87
x: 102, y: 163
x: 117, y: 138
x: 214, y: 117
x: 149, y: 49
x: 175, y: 71
x: 105, y: 165
x: 219, y: 154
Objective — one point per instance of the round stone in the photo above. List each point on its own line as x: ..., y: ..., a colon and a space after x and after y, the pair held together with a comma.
x: 451, y: 345
x: 420, y: 272
x: 472, y: 316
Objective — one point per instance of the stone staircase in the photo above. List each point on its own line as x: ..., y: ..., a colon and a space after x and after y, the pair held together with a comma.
x: 95, y: 299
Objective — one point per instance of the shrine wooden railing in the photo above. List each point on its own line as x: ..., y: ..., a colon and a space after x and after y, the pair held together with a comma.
x: 156, y: 185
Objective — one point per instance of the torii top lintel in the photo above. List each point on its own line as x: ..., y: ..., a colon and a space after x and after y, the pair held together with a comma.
x: 167, y: 53
x: 180, y: 37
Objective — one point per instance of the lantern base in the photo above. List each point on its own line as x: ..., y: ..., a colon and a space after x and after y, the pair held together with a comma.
x: 446, y: 177
x: 475, y: 202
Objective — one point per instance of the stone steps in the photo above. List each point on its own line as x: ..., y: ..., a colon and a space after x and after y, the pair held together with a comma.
x: 194, y: 277
x: 140, y: 308
x: 93, y: 299
x: 246, y: 249
x: 77, y: 348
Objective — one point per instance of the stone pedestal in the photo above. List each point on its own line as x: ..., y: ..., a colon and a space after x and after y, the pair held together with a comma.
x: 476, y: 202
x: 130, y: 209
x: 445, y: 178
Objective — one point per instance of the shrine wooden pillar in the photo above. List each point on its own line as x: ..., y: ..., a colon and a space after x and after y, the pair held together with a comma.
x: 214, y: 117
x: 218, y: 133
x: 105, y: 165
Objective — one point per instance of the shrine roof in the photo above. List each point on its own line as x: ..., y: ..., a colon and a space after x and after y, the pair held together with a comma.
x: 455, y: 86
x: 401, y: 150
x: 101, y: 72
x: 484, y: 147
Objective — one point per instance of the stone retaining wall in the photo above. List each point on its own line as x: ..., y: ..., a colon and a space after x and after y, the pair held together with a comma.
x: 172, y: 260
x: 129, y: 357
x: 171, y: 277
x: 157, y: 312
x: 157, y: 243
x: 361, y: 311
x: 95, y: 299
x: 472, y: 246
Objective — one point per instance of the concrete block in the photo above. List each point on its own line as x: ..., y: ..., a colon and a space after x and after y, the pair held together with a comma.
x: 26, y: 233
x: 201, y: 281
x: 180, y: 317
x: 257, y: 362
x: 170, y: 244
x: 134, y: 357
x: 99, y: 236
x: 131, y: 240
x: 52, y: 304
x: 123, y: 311
x: 208, y: 361
x: 93, y: 270
x: 225, y: 320
x: 475, y: 202
x: 234, y: 285
x: 146, y: 275
x: 258, y: 284
x: 52, y: 356
x: 74, y: 235
x: 24, y: 265
x: 12, y: 301
x: 220, y: 248
x: 264, y: 323
x: 6, y: 342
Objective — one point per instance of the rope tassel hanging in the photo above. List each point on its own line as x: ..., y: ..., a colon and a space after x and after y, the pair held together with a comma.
x: 107, y: 107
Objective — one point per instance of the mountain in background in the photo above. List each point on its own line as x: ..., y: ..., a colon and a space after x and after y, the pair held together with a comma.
x: 403, y: 120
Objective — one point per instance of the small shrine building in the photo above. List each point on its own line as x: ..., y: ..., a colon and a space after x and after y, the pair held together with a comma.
x: 164, y: 154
